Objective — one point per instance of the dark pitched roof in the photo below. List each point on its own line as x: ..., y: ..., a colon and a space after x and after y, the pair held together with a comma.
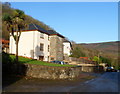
x: 37, y: 27
x: 52, y: 32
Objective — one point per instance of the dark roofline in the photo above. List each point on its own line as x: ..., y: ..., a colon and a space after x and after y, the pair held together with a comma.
x: 52, y: 32
x: 34, y: 27
x: 61, y: 35
x: 66, y: 41
x: 39, y: 28
x: 57, y: 35
x: 35, y: 30
x: 43, y: 32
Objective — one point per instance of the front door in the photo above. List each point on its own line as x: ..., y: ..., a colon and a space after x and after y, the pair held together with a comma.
x: 41, y: 58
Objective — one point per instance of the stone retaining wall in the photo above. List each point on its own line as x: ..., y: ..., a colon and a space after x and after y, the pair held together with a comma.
x: 92, y: 69
x: 48, y: 72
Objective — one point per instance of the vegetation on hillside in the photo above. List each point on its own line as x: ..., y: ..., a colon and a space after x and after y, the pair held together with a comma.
x: 6, y: 9
x: 94, y: 52
x: 80, y: 51
x: 107, y: 49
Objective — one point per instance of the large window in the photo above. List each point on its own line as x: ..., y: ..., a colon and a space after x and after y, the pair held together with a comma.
x: 41, y: 46
x: 42, y: 35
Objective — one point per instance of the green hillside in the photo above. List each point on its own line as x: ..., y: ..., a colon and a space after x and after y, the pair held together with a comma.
x: 7, y: 9
x: 107, y: 50
x: 110, y: 48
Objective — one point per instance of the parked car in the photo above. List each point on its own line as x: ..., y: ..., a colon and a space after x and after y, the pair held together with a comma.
x: 114, y: 70
x: 111, y: 69
x: 58, y: 62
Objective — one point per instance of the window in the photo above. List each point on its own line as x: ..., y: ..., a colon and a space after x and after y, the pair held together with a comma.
x: 41, y: 46
x: 48, y: 58
x: 48, y: 38
x: 52, y: 58
x: 42, y: 35
x: 48, y: 48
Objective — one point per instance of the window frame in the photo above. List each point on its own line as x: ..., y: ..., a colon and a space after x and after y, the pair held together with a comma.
x: 41, y: 47
x: 42, y: 35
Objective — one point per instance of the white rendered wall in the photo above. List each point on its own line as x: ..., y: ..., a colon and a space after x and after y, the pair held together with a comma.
x: 25, y: 45
x: 29, y: 45
x: 44, y: 41
x: 67, y: 48
x: 12, y: 46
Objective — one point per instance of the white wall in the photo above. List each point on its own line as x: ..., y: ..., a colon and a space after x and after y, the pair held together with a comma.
x: 12, y: 46
x: 46, y: 42
x: 67, y: 48
x: 29, y: 44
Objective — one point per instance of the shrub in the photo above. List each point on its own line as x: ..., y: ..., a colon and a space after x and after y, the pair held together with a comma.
x: 6, y: 58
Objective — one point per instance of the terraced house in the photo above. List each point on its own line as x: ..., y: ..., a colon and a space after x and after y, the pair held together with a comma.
x: 40, y: 44
x: 67, y: 47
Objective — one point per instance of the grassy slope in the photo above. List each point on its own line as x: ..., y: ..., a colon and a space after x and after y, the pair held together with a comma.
x: 32, y: 61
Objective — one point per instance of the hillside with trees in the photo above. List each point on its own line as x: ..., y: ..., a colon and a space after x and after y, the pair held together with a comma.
x: 108, y: 51
x: 107, y: 47
x: 7, y: 10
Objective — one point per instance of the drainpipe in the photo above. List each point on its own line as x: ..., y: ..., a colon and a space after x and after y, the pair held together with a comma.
x: 33, y: 43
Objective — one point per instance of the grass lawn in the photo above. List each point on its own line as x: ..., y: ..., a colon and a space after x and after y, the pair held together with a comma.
x: 32, y: 61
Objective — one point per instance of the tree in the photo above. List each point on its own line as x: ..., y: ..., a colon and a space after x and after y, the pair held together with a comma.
x: 14, y: 24
x: 106, y: 60
x: 97, y: 59
x: 77, y: 52
x: 6, y: 9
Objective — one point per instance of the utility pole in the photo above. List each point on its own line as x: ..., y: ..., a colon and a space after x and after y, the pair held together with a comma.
x: 98, y: 61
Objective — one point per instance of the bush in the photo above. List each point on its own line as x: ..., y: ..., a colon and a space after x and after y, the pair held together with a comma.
x: 6, y: 58
x: 6, y: 63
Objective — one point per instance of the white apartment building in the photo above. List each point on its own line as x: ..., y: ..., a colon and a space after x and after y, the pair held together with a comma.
x: 67, y: 47
x: 40, y: 44
x: 33, y: 43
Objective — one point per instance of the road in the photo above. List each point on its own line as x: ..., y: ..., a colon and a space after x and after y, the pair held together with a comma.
x: 107, y: 82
